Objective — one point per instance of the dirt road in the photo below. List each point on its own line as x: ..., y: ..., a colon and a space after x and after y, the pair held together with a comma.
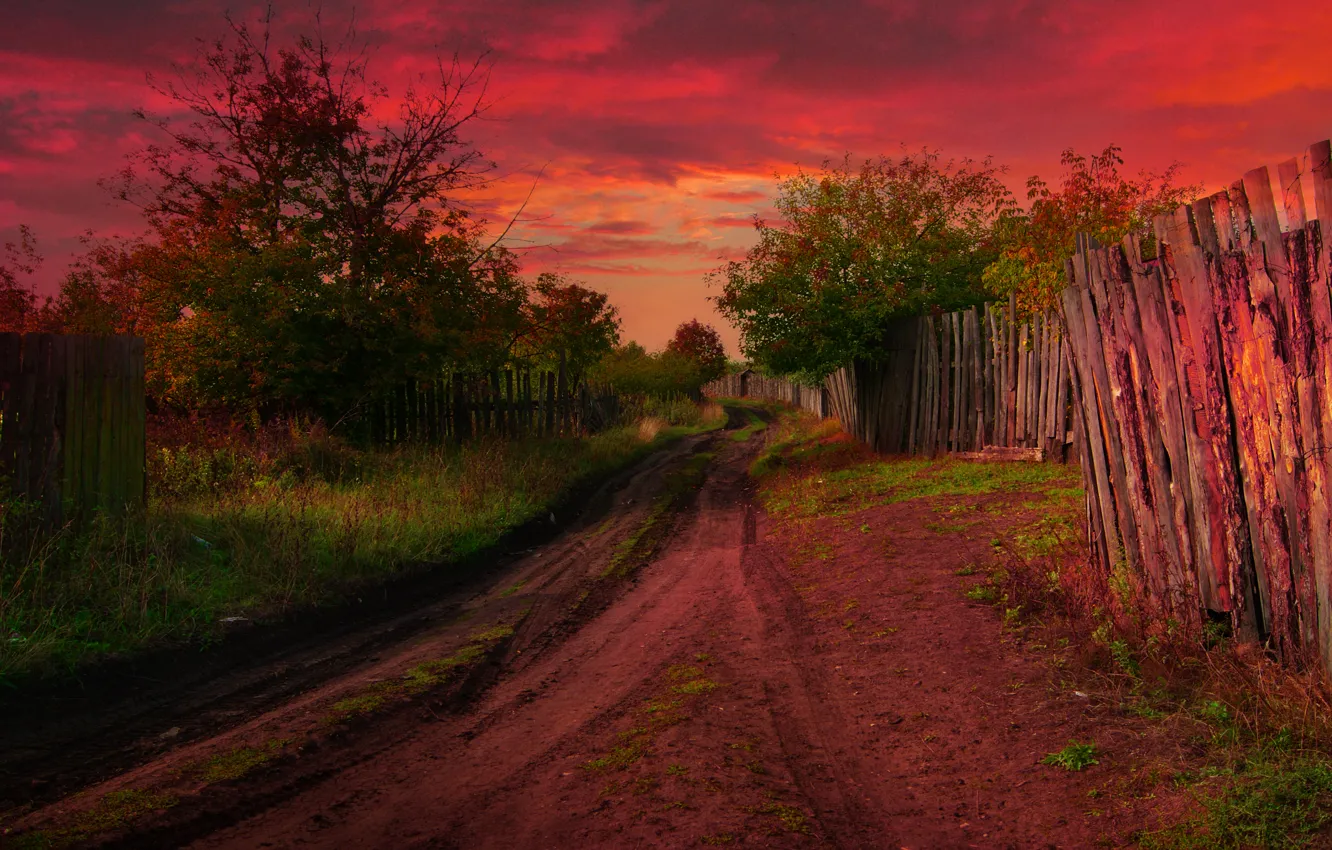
x: 678, y: 672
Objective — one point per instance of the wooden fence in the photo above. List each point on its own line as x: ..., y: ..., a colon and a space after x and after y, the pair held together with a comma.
x: 959, y: 382
x: 508, y: 403
x: 72, y: 422
x: 1203, y: 389
x: 748, y: 384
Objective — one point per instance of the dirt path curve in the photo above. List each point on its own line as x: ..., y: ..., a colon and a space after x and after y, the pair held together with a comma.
x: 729, y: 688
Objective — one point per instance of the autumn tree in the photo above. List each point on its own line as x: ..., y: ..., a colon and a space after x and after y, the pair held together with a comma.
x: 856, y: 248
x: 309, y: 243
x: 567, y: 320
x: 702, y: 344
x: 1094, y: 198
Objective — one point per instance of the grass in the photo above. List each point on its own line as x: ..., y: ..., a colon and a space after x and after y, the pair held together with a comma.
x: 790, y: 817
x: 252, y: 531
x: 684, y: 683
x: 754, y: 425
x: 419, y: 679
x: 810, y: 471
x: 112, y: 812
x: 1075, y: 756
x: 1274, y: 799
x: 238, y: 762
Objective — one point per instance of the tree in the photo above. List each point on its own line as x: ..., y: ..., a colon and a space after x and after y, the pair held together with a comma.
x: 309, y: 250
x: 857, y: 248
x: 633, y: 371
x: 20, y: 311
x: 1093, y: 198
x: 702, y: 344
x: 566, y: 319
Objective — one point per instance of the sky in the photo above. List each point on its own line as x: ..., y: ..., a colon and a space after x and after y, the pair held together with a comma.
x: 658, y: 129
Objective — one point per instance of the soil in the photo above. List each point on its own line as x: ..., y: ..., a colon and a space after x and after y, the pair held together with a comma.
x: 678, y: 670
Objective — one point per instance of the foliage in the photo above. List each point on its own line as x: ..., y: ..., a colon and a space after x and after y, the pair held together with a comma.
x: 566, y: 319
x: 702, y: 344
x: 307, y: 244
x: 631, y: 370
x: 19, y: 310
x: 1093, y: 198
x: 856, y: 248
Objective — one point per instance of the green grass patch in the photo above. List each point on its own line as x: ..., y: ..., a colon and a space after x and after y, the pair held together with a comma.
x: 755, y: 424
x: 238, y: 762
x: 1075, y: 756
x: 838, y: 492
x: 618, y: 758
x: 1272, y: 799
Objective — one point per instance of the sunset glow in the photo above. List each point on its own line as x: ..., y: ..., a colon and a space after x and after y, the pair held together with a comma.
x: 657, y: 127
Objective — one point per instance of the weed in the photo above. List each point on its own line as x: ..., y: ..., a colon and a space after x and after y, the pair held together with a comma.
x: 791, y: 817
x: 617, y: 759
x: 1075, y: 756
x: 982, y: 593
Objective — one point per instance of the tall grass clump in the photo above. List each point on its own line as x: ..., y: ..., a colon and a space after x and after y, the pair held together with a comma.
x: 253, y: 524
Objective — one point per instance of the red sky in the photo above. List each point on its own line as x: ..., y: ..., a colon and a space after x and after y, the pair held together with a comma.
x: 661, y: 124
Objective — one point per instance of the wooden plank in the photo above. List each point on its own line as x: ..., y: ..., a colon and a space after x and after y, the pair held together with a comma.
x: 139, y: 425
x: 1102, y: 393
x: 1037, y: 417
x: 991, y: 379
x: 958, y: 381
x: 979, y: 386
x: 1007, y: 390
x: 1222, y: 550
x: 1292, y: 194
x: 1285, y: 355
x: 945, y: 382
x: 1020, y: 396
x: 1319, y: 158
x: 1147, y: 337
x: 913, y: 413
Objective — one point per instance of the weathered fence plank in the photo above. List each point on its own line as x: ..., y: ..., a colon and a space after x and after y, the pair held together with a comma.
x: 72, y: 423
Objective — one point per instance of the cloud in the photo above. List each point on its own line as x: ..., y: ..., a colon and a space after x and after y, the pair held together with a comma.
x: 621, y: 227
x: 660, y: 123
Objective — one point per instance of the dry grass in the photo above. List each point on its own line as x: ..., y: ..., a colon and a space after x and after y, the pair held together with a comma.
x: 649, y: 427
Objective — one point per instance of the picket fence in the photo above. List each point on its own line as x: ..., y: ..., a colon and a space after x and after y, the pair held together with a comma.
x: 509, y: 403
